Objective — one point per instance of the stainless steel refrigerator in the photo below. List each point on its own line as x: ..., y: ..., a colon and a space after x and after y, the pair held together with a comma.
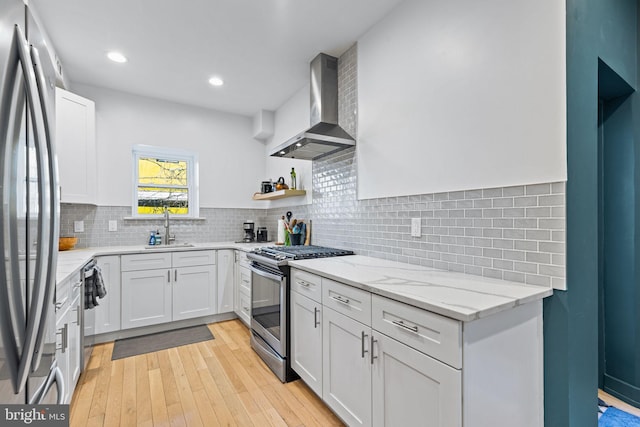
x: 29, y: 218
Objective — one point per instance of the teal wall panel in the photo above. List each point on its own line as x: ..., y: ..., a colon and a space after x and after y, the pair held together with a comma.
x: 595, y: 28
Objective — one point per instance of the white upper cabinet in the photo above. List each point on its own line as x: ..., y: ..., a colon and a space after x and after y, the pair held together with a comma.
x: 76, y: 147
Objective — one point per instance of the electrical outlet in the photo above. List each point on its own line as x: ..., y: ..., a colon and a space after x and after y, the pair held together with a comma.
x: 416, y: 230
x: 78, y: 226
x: 113, y: 225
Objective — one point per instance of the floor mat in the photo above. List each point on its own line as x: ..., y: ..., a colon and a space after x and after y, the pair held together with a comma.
x: 614, y: 417
x: 160, y: 341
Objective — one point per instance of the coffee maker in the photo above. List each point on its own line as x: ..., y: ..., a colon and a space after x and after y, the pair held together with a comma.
x: 249, y: 235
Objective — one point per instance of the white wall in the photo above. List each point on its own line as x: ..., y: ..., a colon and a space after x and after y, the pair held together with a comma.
x: 291, y: 118
x: 231, y: 161
x: 456, y: 95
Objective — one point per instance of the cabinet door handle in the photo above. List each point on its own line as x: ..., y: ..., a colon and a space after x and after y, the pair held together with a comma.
x: 400, y: 323
x: 315, y: 317
x: 341, y: 299
x: 168, y: 276
x: 77, y: 310
x: 362, y: 350
x: 373, y: 341
x: 175, y: 275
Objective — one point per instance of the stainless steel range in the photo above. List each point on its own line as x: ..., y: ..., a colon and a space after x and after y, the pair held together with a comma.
x: 270, y: 302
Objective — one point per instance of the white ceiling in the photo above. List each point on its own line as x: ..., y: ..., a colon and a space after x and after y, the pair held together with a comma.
x: 261, y: 48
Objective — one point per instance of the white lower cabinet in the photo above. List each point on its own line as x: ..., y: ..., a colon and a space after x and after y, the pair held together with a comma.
x: 242, y: 287
x: 387, y: 363
x: 193, y: 293
x: 69, y: 305
x: 346, y: 368
x: 146, y: 297
x: 306, y: 340
x: 369, y: 378
x: 74, y: 341
x: 186, y: 287
x: 226, y: 285
x: 62, y: 347
x: 408, y: 385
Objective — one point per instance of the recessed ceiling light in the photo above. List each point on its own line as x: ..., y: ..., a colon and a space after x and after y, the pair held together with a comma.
x: 117, y: 57
x: 216, y: 81
x: 282, y: 153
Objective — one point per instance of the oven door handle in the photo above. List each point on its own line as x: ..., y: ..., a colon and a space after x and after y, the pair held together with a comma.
x: 266, y: 274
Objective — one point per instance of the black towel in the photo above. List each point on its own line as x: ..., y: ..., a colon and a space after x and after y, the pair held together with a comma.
x: 94, y: 288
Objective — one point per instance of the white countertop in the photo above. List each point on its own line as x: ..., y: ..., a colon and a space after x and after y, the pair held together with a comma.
x: 71, y: 261
x: 460, y: 296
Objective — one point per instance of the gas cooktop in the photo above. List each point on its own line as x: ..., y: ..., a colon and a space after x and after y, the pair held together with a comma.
x: 286, y: 253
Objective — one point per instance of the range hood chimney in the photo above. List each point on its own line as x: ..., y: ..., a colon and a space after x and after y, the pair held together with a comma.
x: 324, y: 137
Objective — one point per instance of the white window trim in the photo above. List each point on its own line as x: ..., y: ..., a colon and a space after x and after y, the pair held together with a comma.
x: 140, y: 150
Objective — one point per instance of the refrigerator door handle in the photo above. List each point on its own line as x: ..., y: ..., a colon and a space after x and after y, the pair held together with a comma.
x: 55, y: 375
x: 54, y: 214
x: 11, y: 304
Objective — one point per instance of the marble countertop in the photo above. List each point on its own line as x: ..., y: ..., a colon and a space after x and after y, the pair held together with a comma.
x: 71, y: 261
x: 460, y: 296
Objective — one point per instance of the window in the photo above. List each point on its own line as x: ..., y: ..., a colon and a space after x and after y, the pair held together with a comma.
x: 164, y: 178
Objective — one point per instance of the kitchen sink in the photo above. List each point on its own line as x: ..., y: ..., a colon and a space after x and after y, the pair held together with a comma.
x: 172, y: 246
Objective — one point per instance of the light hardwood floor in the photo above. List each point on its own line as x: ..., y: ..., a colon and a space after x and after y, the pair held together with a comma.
x: 211, y: 383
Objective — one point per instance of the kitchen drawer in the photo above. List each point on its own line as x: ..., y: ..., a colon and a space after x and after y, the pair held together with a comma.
x: 63, y: 293
x: 245, y: 280
x: 345, y: 299
x: 193, y: 258
x: 435, y: 335
x: 244, y: 312
x: 69, y: 289
x: 307, y: 284
x: 242, y: 260
x: 76, y: 284
x: 145, y: 261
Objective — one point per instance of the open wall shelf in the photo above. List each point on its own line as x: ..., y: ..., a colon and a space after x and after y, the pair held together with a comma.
x: 280, y: 194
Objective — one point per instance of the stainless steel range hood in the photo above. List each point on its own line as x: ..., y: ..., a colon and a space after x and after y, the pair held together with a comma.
x: 324, y: 136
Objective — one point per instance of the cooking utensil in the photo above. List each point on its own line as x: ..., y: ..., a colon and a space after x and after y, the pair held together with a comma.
x: 289, y: 215
x: 280, y: 185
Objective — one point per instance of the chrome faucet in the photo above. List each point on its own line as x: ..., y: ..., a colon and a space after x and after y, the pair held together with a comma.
x: 168, y: 238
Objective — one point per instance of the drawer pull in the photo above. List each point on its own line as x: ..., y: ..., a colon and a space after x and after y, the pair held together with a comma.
x: 315, y: 317
x: 245, y: 309
x: 77, y: 285
x: 61, y: 304
x: 400, y: 323
x: 341, y: 299
x: 303, y: 283
x: 362, y: 350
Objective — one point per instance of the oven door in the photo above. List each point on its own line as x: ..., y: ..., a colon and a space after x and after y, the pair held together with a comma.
x: 268, y: 306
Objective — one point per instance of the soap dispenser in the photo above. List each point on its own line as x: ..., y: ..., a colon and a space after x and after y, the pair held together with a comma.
x: 152, y: 239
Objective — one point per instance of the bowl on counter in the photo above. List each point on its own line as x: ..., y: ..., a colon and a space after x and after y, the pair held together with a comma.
x: 66, y: 243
